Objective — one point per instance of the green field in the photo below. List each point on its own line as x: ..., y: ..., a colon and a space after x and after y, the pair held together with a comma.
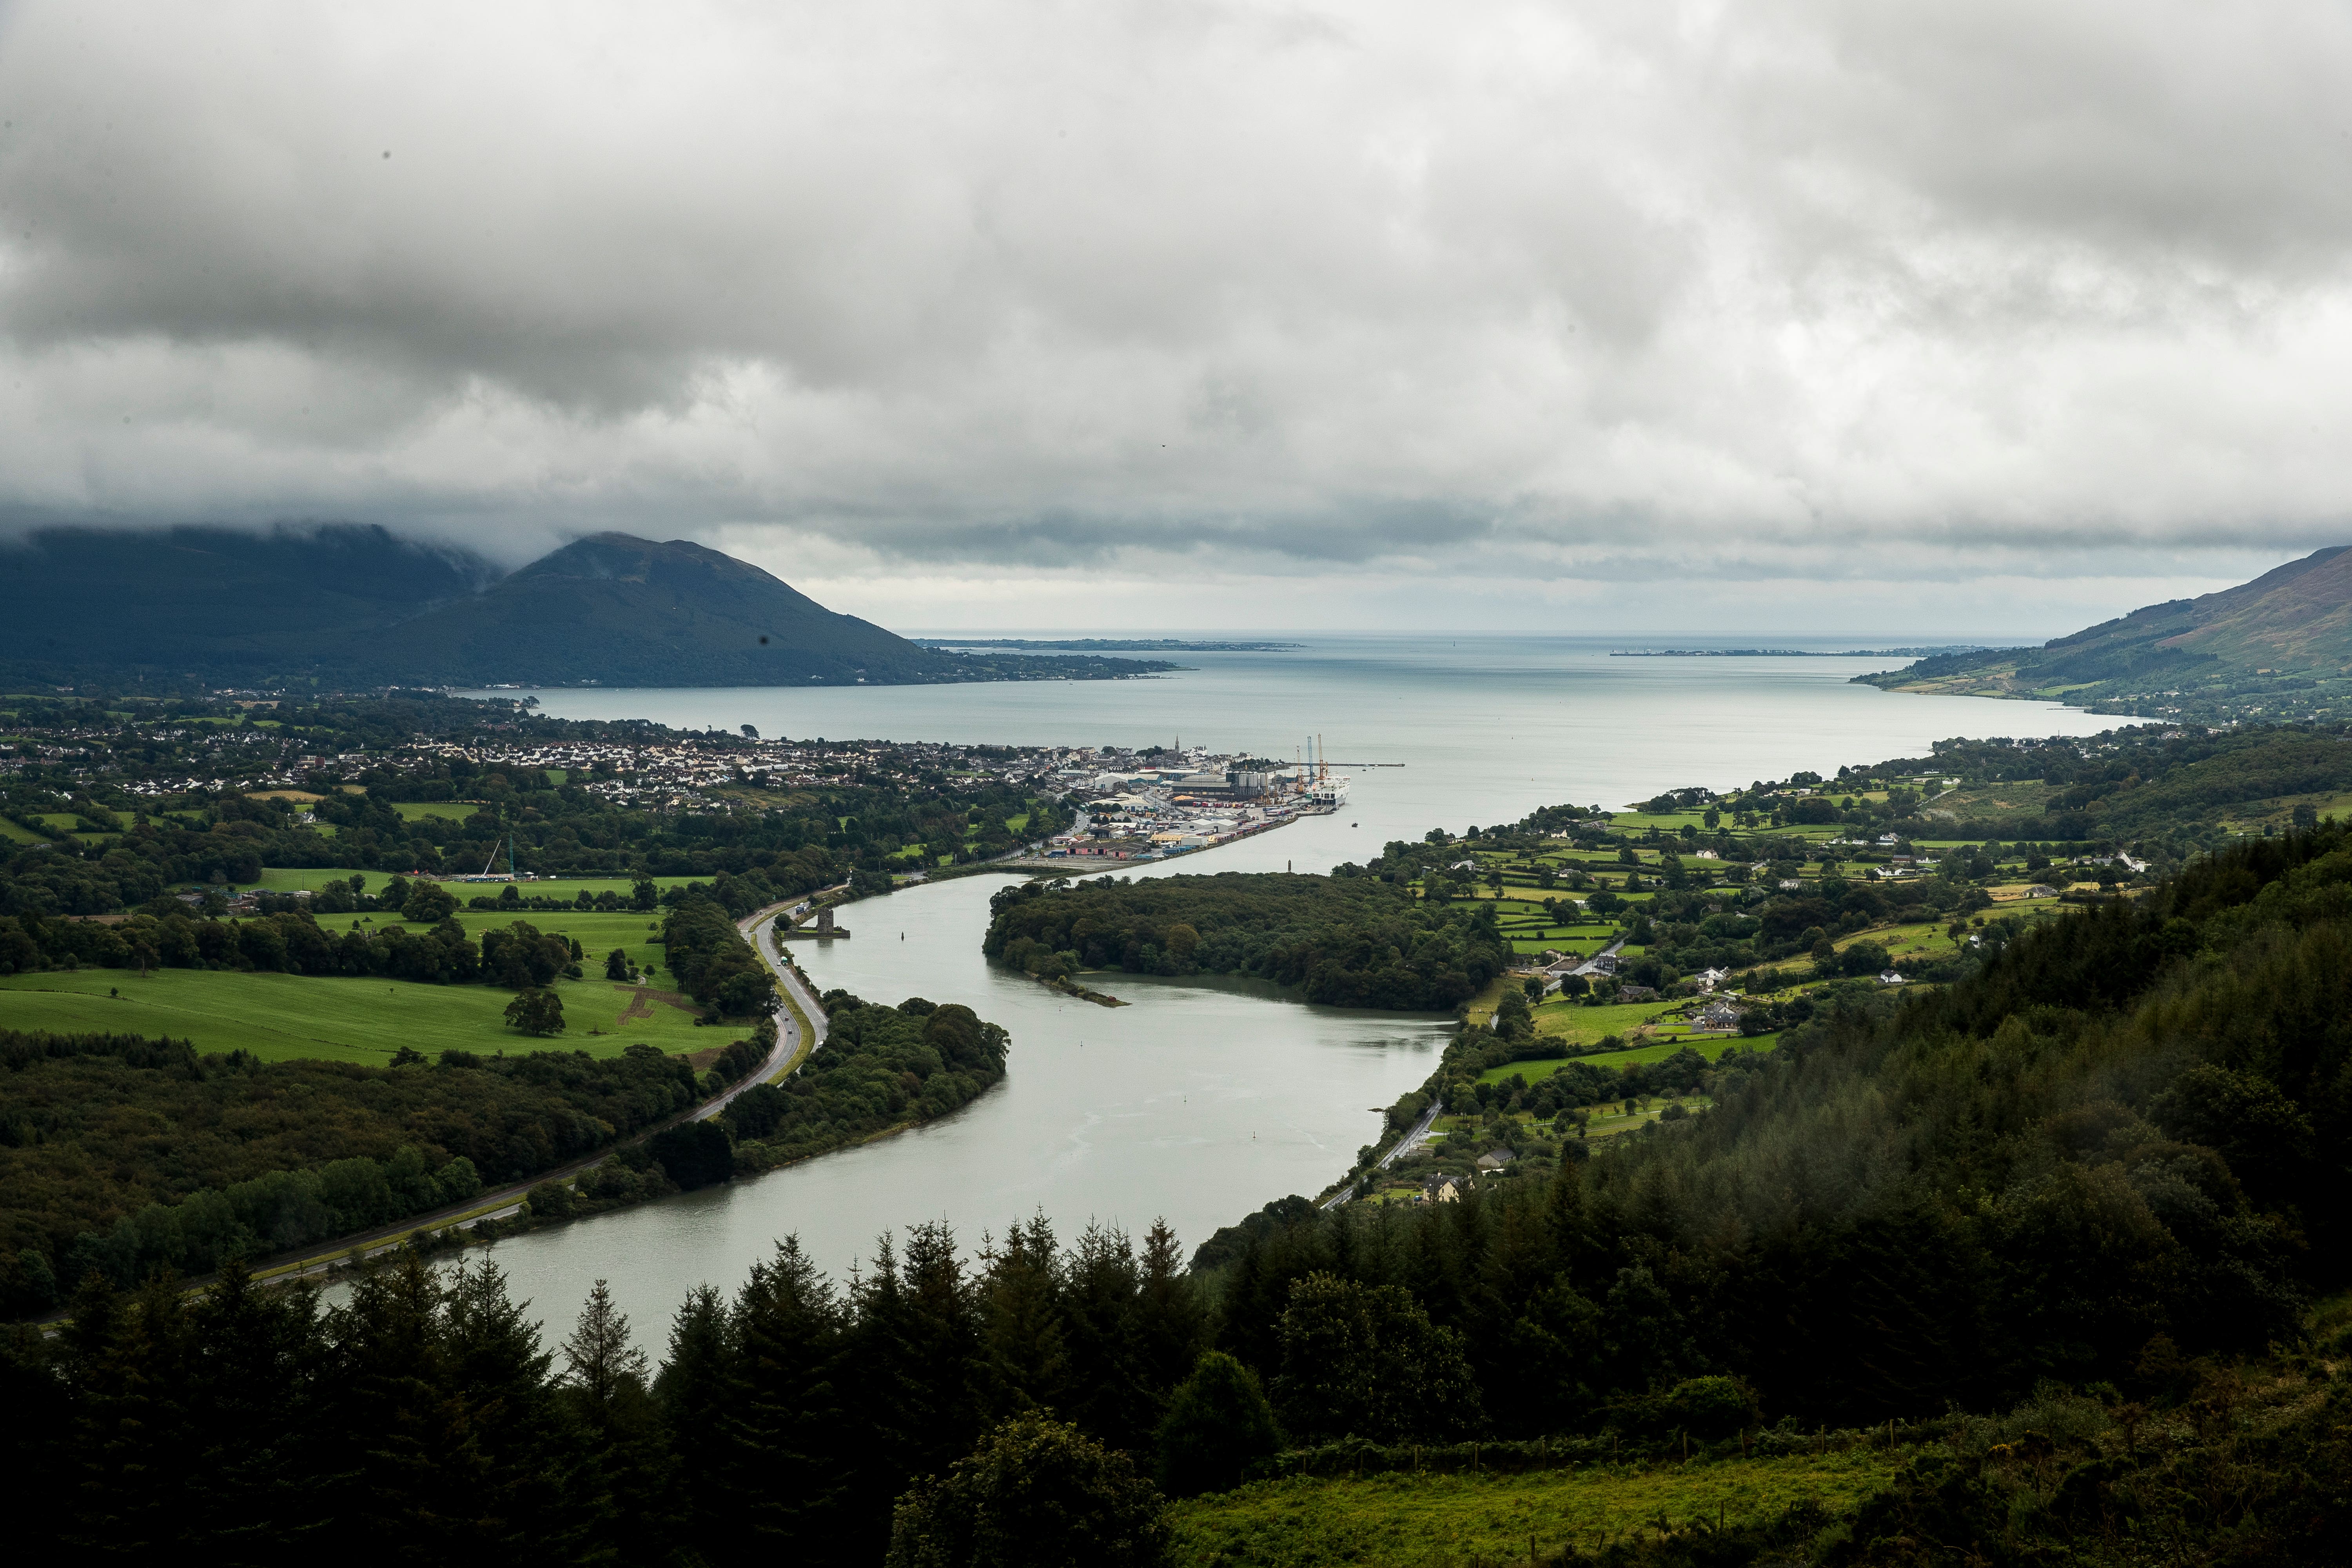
x: 297, y: 879
x: 14, y: 833
x: 597, y: 934
x: 1711, y: 1046
x: 280, y: 1016
x: 451, y: 810
x: 1579, y: 1025
x: 1434, y: 1519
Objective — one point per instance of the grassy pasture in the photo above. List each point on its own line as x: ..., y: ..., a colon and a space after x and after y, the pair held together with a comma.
x: 1407, y: 1519
x: 1584, y: 945
x: 1579, y: 1025
x: 281, y: 1016
x: 1711, y: 1046
x: 447, y: 810
x: 597, y: 934
x: 299, y: 879
x: 1665, y: 822
x: 1609, y: 1121
x: 16, y: 833
x: 2278, y: 812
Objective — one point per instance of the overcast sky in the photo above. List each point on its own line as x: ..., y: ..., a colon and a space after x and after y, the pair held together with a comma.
x: 1986, y: 318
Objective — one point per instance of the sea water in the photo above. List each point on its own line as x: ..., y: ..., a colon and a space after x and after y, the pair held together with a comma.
x: 1201, y: 1100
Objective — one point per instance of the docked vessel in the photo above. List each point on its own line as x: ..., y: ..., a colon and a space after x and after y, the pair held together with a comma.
x: 1321, y: 792
x: 1325, y: 795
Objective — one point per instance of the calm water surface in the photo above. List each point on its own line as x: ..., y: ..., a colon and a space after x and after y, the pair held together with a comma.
x: 1202, y: 1101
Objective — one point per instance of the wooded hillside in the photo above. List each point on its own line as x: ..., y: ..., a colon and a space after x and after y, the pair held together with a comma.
x: 2123, y: 1141
x: 126, y: 1155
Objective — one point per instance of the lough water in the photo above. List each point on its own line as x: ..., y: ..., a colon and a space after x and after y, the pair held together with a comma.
x: 1202, y: 1101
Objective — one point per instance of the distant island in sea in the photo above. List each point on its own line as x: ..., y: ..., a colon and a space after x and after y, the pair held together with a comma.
x: 1944, y: 651
x: 1106, y: 645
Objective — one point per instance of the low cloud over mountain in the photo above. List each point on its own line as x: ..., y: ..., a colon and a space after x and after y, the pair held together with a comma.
x: 1081, y: 300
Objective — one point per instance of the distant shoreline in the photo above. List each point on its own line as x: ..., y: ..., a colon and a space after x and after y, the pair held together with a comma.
x: 1108, y: 645
x: 1800, y: 652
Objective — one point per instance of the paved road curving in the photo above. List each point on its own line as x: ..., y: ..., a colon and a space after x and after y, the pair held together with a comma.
x: 500, y: 1202
x: 1420, y: 1129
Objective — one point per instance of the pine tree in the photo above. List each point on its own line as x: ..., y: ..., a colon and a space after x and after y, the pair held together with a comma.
x: 619, y: 1485
x: 446, y: 1420
x: 1109, y: 1394
x: 788, y: 1417
x: 129, y: 1367
x: 599, y: 1354
x: 1019, y: 1298
x: 695, y: 1392
x: 917, y: 1359
x: 258, y: 1422
x: 495, y: 1373
x: 1170, y: 1319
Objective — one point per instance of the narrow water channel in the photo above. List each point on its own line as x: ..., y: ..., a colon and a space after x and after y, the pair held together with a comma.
x: 1203, y: 1100
x: 1197, y: 1103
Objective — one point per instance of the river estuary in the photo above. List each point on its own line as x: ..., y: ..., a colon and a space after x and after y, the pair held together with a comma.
x: 1202, y: 1101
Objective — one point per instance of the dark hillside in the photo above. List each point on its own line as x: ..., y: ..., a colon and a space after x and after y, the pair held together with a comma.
x: 620, y: 611
x: 2123, y: 1141
x: 2302, y: 618
x: 213, y: 603
x: 339, y: 607
x: 2278, y: 647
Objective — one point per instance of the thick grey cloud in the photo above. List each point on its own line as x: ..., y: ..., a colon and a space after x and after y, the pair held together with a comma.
x: 1790, y: 292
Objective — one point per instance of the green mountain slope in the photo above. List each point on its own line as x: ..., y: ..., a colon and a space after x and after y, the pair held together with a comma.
x: 211, y: 603
x: 2277, y: 647
x: 622, y: 611
x: 2303, y: 620
x: 341, y: 606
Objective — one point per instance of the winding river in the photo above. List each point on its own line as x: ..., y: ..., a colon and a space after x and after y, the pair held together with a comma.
x: 1197, y: 1103
x: 1204, y: 1099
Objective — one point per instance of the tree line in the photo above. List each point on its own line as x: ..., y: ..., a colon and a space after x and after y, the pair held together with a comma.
x: 879, y: 1068
x: 2112, y: 1154
x: 424, y: 1420
x: 293, y: 942
x: 1344, y: 941
x: 2121, y: 1141
x: 122, y: 1155
x: 713, y: 963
